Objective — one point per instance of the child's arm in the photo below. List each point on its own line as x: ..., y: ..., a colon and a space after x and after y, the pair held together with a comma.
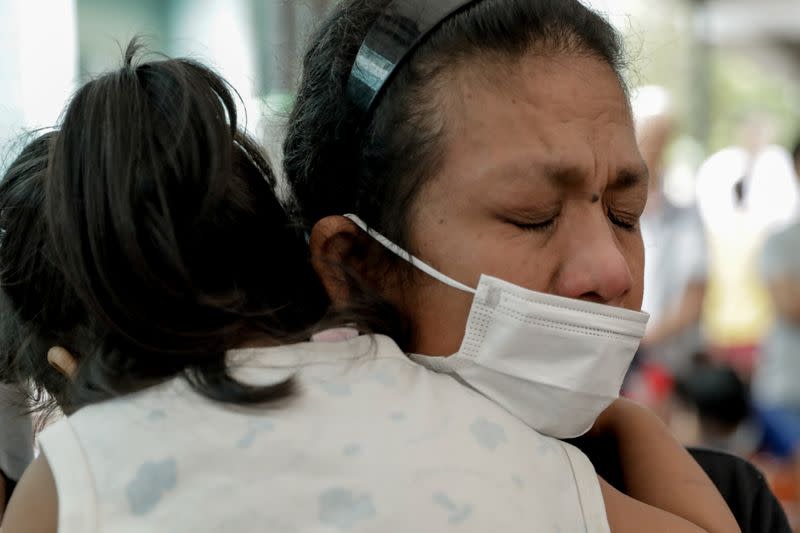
x: 628, y: 515
x: 666, y: 489
x: 34, y: 505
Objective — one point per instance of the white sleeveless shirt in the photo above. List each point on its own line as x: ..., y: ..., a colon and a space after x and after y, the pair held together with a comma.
x: 370, y: 442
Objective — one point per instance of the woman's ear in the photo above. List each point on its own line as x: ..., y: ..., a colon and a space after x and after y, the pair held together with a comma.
x: 334, y: 244
x: 63, y: 361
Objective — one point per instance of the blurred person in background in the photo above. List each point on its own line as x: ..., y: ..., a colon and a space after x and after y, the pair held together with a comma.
x: 673, y: 354
x: 16, y: 441
x: 676, y: 264
x: 720, y: 399
x: 776, y: 383
x: 744, y: 192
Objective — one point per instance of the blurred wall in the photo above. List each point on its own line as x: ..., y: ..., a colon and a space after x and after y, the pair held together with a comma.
x: 38, y: 65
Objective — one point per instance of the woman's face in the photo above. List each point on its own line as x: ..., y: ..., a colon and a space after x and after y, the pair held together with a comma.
x: 541, y: 185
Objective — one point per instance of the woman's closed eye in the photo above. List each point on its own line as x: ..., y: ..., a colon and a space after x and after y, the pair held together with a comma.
x: 539, y: 220
x: 536, y: 226
x: 622, y: 220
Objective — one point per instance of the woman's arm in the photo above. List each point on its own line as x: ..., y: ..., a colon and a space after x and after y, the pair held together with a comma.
x: 34, y: 505
x: 669, y: 488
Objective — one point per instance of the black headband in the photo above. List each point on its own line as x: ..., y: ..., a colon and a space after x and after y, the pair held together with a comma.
x: 397, y: 32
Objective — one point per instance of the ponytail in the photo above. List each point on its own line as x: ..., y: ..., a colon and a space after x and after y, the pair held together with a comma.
x: 163, y: 221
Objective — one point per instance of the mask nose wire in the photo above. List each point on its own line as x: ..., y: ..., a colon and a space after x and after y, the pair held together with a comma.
x: 402, y: 254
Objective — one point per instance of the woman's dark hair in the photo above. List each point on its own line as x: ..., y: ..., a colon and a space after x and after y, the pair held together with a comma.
x: 337, y: 163
x: 145, y: 236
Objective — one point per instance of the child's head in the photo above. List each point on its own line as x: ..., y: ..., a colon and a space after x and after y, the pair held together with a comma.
x: 28, y: 278
x: 144, y: 236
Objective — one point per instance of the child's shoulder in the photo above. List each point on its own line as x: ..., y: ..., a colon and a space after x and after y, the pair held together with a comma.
x: 352, y: 424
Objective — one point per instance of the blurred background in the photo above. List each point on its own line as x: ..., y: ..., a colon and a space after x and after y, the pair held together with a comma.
x: 720, y: 59
x: 716, y: 95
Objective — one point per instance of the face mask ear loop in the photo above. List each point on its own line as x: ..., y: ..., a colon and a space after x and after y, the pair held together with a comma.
x: 421, y: 265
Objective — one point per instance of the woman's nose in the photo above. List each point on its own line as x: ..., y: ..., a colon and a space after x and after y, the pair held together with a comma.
x: 595, y: 267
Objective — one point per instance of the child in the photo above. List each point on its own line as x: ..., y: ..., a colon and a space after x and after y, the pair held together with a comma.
x: 153, y: 286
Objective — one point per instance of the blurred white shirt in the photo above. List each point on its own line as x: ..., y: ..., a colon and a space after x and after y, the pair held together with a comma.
x: 770, y: 197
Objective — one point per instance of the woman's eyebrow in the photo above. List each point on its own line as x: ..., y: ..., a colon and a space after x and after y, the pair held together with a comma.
x: 630, y: 178
x: 627, y: 178
x: 566, y: 175
x: 560, y: 175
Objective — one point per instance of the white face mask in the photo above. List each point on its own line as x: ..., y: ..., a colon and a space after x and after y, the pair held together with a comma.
x: 553, y: 362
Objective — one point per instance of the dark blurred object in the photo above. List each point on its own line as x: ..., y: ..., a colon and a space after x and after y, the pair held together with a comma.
x: 10, y: 484
x: 717, y: 392
x: 738, y: 190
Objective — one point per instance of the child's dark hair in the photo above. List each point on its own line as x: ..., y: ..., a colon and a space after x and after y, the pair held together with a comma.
x: 144, y: 236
